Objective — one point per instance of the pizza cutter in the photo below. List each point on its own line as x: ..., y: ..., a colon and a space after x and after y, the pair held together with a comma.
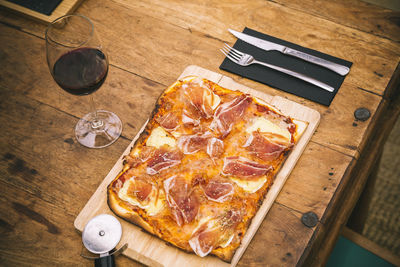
x: 101, y: 235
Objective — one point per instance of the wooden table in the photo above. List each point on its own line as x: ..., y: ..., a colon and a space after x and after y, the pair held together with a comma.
x: 47, y: 177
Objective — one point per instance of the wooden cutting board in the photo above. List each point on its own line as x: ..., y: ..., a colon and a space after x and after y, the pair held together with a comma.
x: 151, y: 250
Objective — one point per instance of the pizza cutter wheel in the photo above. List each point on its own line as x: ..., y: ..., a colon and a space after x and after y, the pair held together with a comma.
x: 101, y: 235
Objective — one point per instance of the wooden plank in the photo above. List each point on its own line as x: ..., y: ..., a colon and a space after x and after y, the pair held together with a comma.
x: 197, y: 23
x: 26, y: 71
x: 36, y: 232
x: 65, y: 7
x: 354, y: 14
x: 128, y: 94
x: 38, y: 163
x: 280, y: 240
x: 153, y: 251
x: 42, y: 185
x: 29, y: 224
x: 331, y: 35
x: 311, y: 188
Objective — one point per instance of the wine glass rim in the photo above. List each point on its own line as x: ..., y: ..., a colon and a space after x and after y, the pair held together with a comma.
x: 48, y: 38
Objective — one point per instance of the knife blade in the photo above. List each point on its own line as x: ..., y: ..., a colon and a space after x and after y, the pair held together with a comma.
x: 267, y: 45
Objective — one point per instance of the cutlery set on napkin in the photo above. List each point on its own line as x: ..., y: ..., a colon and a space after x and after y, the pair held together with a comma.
x: 292, y: 68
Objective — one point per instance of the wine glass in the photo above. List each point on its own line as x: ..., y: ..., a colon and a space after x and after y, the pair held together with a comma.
x: 79, y: 65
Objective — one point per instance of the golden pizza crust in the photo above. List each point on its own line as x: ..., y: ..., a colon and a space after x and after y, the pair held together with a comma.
x: 115, y: 204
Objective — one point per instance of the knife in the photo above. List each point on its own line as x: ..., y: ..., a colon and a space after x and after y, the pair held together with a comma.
x: 266, y: 45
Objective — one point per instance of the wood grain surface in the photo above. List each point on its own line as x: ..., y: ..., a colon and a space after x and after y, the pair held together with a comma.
x: 47, y: 177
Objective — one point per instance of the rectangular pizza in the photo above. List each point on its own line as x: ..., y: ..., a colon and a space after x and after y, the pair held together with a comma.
x: 199, y: 171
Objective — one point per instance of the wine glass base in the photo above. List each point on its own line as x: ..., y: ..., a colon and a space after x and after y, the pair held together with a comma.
x: 98, y: 133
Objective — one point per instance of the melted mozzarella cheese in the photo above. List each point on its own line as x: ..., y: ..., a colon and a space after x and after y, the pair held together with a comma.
x: 160, y: 137
x: 224, y: 245
x: 216, y: 101
x: 213, y: 100
x: 265, y: 126
x: 250, y: 186
x: 176, y: 134
x: 153, y: 206
x: 202, y: 221
x: 301, y: 127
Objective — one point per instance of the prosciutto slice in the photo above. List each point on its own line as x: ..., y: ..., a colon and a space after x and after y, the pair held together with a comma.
x: 244, y: 168
x: 215, y: 233
x: 218, y: 190
x: 190, y: 144
x: 228, y: 113
x: 140, y: 189
x: 169, y: 121
x: 135, y: 160
x: 204, y: 241
x: 161, y: 160
x: 188, y: 120
x: 198, y: 97
x: 215, y: 147
x: 266, y: 146
x: 182, y: 201
x: 206, y: 142
x: 232, y: 217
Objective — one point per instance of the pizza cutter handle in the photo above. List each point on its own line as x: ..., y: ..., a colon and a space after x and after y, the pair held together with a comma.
x: 106, y: 261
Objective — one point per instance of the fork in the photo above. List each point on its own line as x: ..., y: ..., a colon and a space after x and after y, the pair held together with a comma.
x: 244, y: 59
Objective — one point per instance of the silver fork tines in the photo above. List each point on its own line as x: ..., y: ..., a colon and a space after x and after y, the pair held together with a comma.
x: 244, y: 59
x: 232, y: 53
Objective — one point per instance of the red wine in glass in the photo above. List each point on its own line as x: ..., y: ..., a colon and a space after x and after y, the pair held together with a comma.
x: 81, y: 71
x: 79, y: 65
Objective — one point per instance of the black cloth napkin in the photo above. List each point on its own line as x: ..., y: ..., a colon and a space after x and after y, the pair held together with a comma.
x: 45, y: 7
x: 283, y: 81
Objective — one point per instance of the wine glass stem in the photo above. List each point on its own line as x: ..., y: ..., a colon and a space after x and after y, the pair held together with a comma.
x: 96, y: 123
